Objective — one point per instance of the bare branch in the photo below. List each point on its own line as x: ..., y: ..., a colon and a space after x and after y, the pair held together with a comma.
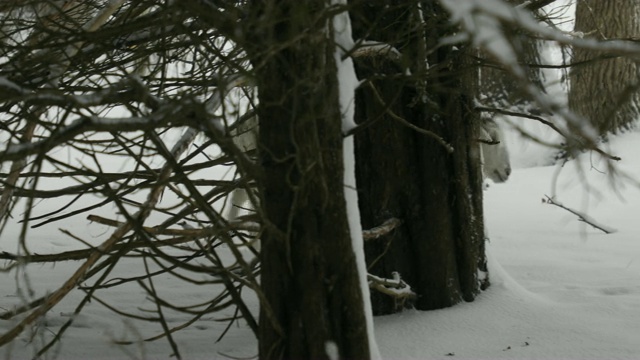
x: 581, y: 216
x: 590, y: 145
x: 395, y: 287
x: 381, y: 230
x: 106, y: 246
x: 406, y: 123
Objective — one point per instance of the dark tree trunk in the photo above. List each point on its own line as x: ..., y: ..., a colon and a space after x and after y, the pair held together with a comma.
x: 309, y: 277
x: 606, y: 90
x: 402, y: 173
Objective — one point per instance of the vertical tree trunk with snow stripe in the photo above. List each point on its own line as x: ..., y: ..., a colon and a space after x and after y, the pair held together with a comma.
x: 402, y: 173
x: 313, y: 304
x: 606, y: 91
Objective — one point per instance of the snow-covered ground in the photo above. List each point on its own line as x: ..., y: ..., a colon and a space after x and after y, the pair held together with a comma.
x: 560, y: 289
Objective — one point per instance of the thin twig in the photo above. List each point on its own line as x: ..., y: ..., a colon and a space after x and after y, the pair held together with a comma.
x: 151, y: 290
x: 77, y: 277
x: 590, y: 146
x: 408, y: 124
x: 581, y: 216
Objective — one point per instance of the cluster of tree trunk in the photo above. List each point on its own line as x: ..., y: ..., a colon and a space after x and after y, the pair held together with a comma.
x: 428, y: 178
x: 432, y: 187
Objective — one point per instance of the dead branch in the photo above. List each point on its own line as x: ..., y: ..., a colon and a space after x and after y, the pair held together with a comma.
x: 408, y: 124
x: 381, y: 230
x: 581, y: 216
x: 183, y: 236
x: 179, y: 148
x: 395, y: 287
x: 376, y: 49
x: 590, y: 146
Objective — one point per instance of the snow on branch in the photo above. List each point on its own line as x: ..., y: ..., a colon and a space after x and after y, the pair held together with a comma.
x: 480, y: 17
x: 129, y: 90
x: 367, y: 48
x: 395, y: 287
x: 80, y: 126
x: 581, y: 216
x: 381, y: 230
x: 187, y: 112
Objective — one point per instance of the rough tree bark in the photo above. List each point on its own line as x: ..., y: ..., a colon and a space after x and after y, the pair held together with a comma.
x: 403, y: 173
x: 606, y: 90
x: 309, y: 277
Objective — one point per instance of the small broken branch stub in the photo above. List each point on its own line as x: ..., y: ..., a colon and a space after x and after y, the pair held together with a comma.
x: 381, y: 230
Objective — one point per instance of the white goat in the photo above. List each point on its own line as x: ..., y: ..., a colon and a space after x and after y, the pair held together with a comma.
x: 244, y: 137
x: 494, y: 156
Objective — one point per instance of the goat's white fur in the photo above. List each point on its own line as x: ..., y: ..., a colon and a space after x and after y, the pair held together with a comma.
x: 494, y: 156
x: 244, y: 137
